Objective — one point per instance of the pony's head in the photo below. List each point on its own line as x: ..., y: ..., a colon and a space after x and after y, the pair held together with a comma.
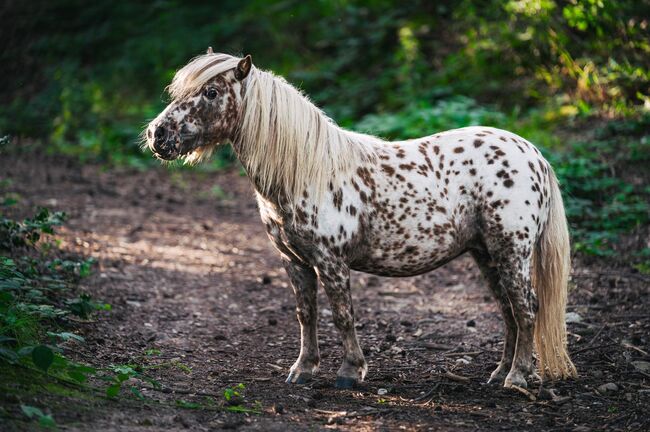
x: 205, y: 110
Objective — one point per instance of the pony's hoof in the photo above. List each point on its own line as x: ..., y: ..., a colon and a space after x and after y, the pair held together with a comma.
x: 495, y: 381
x: 345, y: 382
x: 515, y: 380
x: 299, y: 378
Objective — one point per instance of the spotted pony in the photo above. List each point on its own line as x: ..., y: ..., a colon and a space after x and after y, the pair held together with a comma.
x: 333, y: 201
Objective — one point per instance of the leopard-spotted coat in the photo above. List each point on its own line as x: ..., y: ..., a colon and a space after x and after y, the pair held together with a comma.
x: 334, y: 201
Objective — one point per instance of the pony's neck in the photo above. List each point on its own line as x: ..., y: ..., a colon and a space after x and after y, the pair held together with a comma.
x: 288, y: 146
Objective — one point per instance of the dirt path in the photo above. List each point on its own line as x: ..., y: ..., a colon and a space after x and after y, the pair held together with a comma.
x: 191, y: 276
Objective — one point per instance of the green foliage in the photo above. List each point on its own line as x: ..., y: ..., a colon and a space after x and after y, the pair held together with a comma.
x: 417, y: 118
x: 83, y: 306
x: 80, y: 268
x: 119, y: 374
x: 235, y: 400
x: 44, y: 420
x: 600, y: 203
x: 43, y: 357
x: 644, y: 265
x: 230, y: 393
x: 34, y: 305
x: 89, y: 76
x: 29, y: 231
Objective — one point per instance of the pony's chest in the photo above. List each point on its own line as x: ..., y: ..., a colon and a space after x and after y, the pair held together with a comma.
x: 313, y: 229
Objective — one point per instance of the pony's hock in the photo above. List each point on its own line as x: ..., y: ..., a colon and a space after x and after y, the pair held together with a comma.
x: 334, y: 201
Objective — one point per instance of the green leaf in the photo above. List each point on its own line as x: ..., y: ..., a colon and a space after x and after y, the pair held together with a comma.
x: 137, y: 393
x: 26, y: 351
x: 42, y: 356
x: 31, y: 411
x: 4, y: 339
x: 113, y: 390
x: 10, y: 284
x: 77, y: 376
x: 44, y: 420
x: 66, y: 336
x: 6, y: 297
x: 9, y: 201
x: 47, y: 421
x: 9, y: 355
x: 189, y: 405
x: 243, y: 409
x: 124, y: 369
x: 85, y: 369
x: 153, y: 382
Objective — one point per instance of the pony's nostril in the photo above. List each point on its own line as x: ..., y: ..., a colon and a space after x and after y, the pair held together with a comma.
x: 160, y: 133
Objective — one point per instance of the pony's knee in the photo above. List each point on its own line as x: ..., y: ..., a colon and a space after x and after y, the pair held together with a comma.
x: 306, y: 315
x: 343, y: 318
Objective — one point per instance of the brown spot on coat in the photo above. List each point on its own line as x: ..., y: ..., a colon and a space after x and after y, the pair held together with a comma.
x: 388, y: 169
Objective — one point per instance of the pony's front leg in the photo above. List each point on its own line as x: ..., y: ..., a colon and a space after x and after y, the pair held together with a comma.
x: 335, y: 278
x: 303, y: 280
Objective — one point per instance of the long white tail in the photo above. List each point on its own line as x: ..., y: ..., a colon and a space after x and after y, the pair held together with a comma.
x: 550, y: 276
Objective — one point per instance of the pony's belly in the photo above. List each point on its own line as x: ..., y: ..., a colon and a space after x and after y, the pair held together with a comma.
x: 407, y: 260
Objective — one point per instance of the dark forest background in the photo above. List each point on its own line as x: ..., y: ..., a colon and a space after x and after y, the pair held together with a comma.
x: 82, y: 78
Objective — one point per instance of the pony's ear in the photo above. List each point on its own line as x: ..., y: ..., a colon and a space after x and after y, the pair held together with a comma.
x: 209, y: 51
x: 243, y: 67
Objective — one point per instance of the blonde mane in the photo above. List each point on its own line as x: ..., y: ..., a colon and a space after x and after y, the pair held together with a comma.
x: 285, y: 142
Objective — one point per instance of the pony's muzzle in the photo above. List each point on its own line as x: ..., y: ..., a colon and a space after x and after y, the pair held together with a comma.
x: 162, y: 145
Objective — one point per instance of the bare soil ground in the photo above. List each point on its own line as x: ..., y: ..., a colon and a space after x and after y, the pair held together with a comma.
x: 191, y: 275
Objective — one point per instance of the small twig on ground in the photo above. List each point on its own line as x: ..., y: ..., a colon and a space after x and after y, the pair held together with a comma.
x: 435, y: 346
x: 632, y: 347
x: 170, y: 390
x: 427, y: 321
x: 276, y: 367
x: 427, y: 394
x: 525, y: 392
x: 454, y: 349
x: 593, y: 339
x: 580, y: 351
x: 338, y: 414
x: 454, y: 377
x: 397, y: 293
x: 460, y: 354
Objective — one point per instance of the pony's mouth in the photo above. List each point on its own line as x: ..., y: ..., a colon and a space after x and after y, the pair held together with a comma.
x: 189, y: 147
x: 175, y: 148
x: 165, y: 157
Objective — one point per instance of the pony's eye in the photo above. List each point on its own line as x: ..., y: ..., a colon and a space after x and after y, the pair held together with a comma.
x: 210, y: 93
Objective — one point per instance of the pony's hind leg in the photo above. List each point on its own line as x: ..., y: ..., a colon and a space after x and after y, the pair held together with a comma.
x: 490, y: 273
x: 335, y: 278
x: 303, y: 280
x: 514, y: 271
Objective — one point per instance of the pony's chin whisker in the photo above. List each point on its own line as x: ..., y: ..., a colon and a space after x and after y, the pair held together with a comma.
x: 197, y: 155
